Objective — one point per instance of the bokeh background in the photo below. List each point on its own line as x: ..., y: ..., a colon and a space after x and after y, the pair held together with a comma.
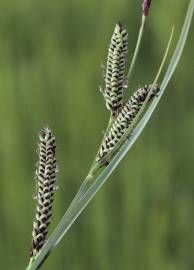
x: 50, y: 58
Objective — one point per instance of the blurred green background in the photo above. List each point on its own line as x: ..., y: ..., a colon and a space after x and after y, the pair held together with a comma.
x: 50, y: 57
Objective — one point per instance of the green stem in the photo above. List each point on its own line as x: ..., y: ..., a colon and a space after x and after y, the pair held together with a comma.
x: 140, y: 35
x: 91, y: 174
x: 30, y: 263
x: 84, y: 186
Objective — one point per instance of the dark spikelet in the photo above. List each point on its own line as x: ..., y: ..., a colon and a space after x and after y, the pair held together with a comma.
x: 115, y: 70
x: 124, y: 120
x: 46, y: 185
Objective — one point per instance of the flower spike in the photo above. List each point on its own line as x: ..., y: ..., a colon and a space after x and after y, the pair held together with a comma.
x: 124, y: 120
x: 115, y: 70
x: 46, y: 185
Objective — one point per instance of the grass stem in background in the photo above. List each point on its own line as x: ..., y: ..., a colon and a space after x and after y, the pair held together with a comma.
x: 139, y: 40
x: 145, y: 10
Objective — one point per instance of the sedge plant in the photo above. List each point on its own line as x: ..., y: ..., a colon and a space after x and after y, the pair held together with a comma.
x: 127, y: 121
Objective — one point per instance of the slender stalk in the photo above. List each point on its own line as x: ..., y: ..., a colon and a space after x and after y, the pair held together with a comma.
x: 30, y: 263
x: 90, y: 176
x: 139, y: 39
x: 85, y: 185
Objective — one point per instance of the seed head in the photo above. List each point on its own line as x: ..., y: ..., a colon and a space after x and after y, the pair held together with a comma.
x: 45, y: 185
x: 124, y: 120
x: 115, y: 69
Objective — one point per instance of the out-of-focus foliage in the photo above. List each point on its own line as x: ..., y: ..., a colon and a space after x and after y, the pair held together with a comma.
x: 50, y: 57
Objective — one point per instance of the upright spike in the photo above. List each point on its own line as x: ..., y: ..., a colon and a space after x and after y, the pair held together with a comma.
x: 115, y: 81
x: 46, y: 185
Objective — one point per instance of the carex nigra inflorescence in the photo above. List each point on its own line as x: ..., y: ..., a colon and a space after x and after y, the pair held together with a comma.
x: 124, y: 120
x: 115, y: 70
x: 46, y: 185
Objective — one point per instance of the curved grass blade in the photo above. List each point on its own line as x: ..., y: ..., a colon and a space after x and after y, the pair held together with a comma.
x: 70, y: 216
